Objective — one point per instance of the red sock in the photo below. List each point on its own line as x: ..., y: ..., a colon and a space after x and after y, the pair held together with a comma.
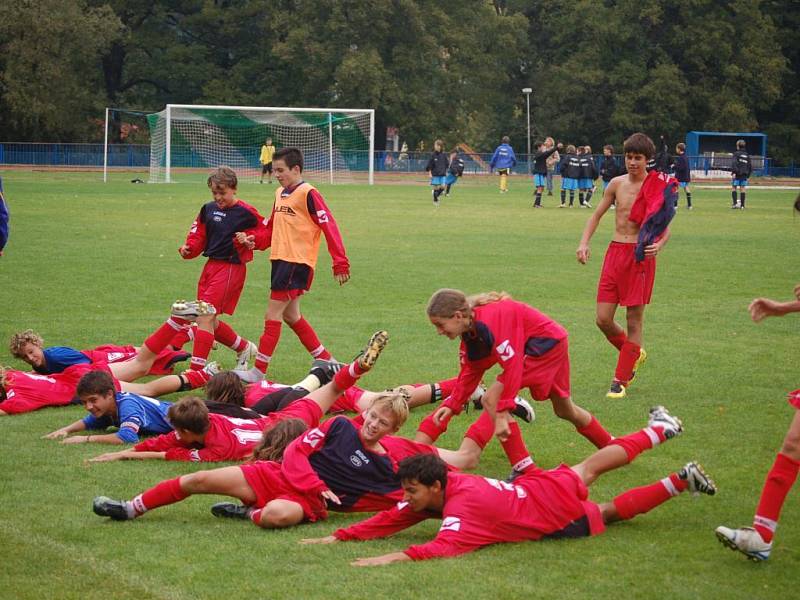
x: 347, y: 376
x: 515, y: 450
x: 226, y: 336
x: 482, y: 430
x: 309, y: 339
x: 636, y: 443
x: 162, y: 336
x: 596, y: 433
x: 446, y: 387
x: 166, y: 492
x: 181, y: 338
x: 780, y: 479
x: 618, y: 340
x: 432, y: 430
x: 196, y: 378
x: 203, y: 340
x: 267, y: 343
x: 643, y: 499
x: 628, y: 355
x: 255, y: 516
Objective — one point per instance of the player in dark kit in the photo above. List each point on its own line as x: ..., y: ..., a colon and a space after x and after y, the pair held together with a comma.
x: 588, y: 173
x: 540, y: 170
x: 478, y: 511
x: 454, y: 170
x: 437, y: 167
x: 741, y: 168
x: 570, y: 169
x: 680, y: 166
x: 213, y: 235
x: 609, y: 167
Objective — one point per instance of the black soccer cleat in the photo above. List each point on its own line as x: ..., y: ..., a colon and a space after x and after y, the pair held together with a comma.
x: 106, y: 507
x: 229, y: 510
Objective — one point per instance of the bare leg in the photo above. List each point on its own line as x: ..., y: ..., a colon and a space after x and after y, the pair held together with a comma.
x: 291, y: 311
x: 158, y: 387
x: 466, y: 457
x: 605, y: 319
x: 417, y: 396
x: 565, y: 408
x: 635, y: 318
x: 604, y: 460
x: 281, y: 513
x: 227, y: 481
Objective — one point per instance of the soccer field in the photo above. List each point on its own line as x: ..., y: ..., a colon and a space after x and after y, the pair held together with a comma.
x: 89, y: 263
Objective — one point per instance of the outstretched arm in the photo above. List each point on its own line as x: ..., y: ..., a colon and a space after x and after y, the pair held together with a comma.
x: 761, y: 308
x: 594, y: 220
x: 128, y: 454
x: 65, y: 431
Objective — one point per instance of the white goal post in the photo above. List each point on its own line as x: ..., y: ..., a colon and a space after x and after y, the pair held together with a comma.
x: 338, y: 143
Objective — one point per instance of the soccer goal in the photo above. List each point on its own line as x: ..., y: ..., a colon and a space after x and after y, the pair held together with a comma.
x: 338, y: 143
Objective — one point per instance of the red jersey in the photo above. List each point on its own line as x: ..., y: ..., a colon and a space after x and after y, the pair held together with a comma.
x: 26, y: 392
x: 505, y: 333
x: 229, y: 438
x: 479, y: 511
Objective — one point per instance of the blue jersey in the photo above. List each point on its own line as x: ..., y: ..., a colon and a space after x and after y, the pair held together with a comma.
x: 503, y: 157
x: 135, y: 414
x: 58, y: 358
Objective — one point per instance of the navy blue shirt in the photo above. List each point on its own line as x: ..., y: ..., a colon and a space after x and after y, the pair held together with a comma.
x: 221, y: 225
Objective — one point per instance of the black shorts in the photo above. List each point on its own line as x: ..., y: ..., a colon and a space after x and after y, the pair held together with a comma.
x: 290, y: 276
x: 504, y: 171
x: 267, y: 168
x: 577, y: 528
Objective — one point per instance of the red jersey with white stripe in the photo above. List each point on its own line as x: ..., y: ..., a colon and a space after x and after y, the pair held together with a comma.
x: 479, y: 511
x: 504, y: 333
x: 229, y: 438
x: 26, y: 392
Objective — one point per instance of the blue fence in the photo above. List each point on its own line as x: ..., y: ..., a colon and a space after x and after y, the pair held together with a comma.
x: 138, y: 156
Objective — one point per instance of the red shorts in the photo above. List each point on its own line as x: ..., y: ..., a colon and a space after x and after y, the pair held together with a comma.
x: 348, y: 401
x: 548, y: 374
x: 304, y: 409
x: 221, y: 284
x: 268, y: 483
x: 794, y: 398
x: 624, y: 281
x: 563, y: 491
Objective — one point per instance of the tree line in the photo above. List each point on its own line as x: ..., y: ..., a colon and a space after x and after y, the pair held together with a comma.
x: 599, y: 69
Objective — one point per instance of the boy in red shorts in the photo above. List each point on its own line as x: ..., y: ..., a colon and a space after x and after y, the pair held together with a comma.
x: 213, y: 234
x: 299, y: 216
x: 629, y: 268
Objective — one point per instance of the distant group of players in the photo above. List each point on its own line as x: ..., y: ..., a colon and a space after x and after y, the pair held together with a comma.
x: 579, y: 170
x: 300, y: 465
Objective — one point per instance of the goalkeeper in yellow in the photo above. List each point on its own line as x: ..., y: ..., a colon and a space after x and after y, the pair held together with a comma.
x: 267, y: 150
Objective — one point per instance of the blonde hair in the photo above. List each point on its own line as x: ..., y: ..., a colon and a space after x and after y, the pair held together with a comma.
x: 275, y: 439
x: 395, y: 402
x: 18, y: 341
x: 446, y: 302
x: 439, y: 143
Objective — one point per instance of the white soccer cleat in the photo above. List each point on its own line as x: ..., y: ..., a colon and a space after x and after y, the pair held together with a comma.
x: 523, y: 410
x: 746, y: 540
x: 244, y: 357
x: 251, y: 375
x: 477, y: 396
x: 699, y: 483
x: 660, y: 417
x: 192, y: 309
x: 212, y: 368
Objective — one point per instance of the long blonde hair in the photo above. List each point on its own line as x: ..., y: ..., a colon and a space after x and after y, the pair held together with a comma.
x: 446, y: 302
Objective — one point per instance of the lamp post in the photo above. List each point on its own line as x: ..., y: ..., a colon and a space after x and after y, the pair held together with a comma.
x: 527, y: 91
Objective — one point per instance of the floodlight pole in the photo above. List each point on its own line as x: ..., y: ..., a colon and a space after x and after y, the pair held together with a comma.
x: 527, y: 91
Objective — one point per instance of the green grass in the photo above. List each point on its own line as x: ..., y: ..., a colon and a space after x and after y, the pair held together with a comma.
x: 90, y: 263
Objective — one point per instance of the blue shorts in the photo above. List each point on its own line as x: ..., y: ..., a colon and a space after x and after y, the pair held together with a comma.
x: 539, y: 180
x: 437, y: 180
x: 683, y: 184
x: 584, y: 183
x: 450, y: 179
x: 569, y: 183
x: 739, y: 183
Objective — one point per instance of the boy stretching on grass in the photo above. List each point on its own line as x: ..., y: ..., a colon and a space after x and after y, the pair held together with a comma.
x: 299, y: 216
x: 645, y: 205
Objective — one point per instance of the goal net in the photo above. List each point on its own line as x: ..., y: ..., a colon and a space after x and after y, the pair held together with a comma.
x: 337, y: 144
